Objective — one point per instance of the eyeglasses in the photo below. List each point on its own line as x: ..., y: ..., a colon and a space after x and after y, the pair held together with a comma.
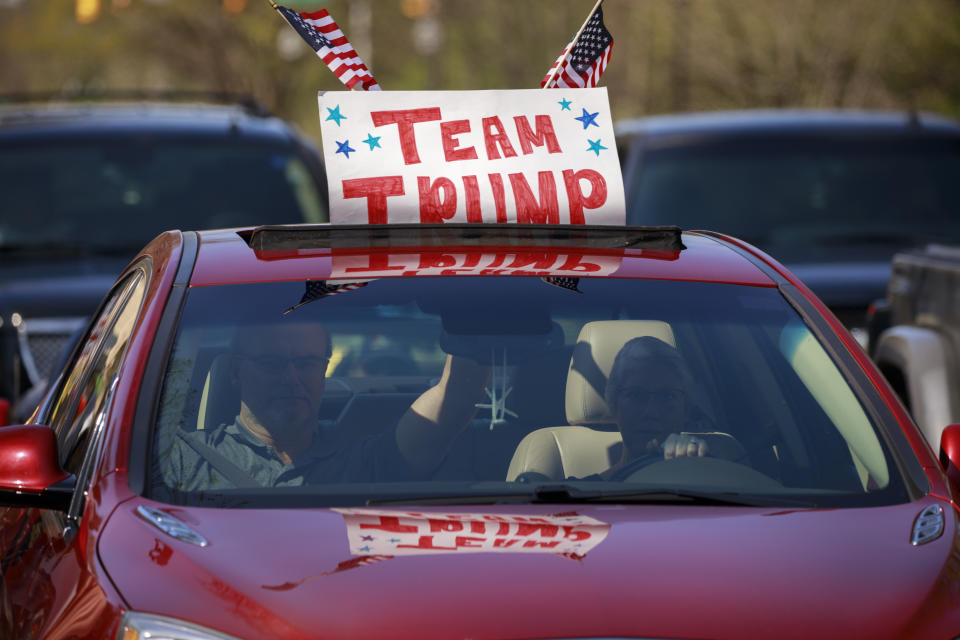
x: 276, y: 365
x: 637, y: 395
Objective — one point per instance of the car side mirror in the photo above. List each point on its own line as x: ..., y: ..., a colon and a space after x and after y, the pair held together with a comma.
x: 30, y: 471
x: 950, y: 453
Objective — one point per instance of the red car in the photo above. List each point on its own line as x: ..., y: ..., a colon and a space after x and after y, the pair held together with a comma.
x: 455, y: 431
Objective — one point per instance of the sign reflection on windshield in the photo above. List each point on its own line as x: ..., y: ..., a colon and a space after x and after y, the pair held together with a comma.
x: 531, y: 263
x: 396, y: 533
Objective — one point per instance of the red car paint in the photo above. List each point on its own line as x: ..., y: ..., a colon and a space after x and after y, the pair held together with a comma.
x: 718, y: 573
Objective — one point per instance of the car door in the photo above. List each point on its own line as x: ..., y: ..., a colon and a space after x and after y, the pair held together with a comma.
x: 47, y: 590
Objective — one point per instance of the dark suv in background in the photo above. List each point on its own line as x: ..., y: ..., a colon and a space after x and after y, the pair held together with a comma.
x: 831, y: 194
x: 85, y: 184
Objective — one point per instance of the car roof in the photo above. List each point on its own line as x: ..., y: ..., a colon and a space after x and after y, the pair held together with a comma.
x: 308, y: 252
x: 140, y: 117
x: 788, y: 121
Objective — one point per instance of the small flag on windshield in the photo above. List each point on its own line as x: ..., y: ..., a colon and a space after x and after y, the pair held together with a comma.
x: 585, y: 58
x: 324, y: 36
x: 564, y: 282
x: 316, y: 289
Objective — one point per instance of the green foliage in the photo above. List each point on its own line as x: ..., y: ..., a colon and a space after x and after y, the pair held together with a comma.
x: 669, y: 55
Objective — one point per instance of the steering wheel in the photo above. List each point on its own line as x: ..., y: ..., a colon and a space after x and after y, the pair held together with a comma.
x: 627, y: 470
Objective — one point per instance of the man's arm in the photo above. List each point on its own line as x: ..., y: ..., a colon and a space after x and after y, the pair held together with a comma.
x: 434, y: 420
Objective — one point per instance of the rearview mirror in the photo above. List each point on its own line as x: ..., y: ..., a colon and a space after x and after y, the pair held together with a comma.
x: 497, y: 348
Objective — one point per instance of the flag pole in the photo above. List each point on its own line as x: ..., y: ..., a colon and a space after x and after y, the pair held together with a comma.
x: 573, y: 43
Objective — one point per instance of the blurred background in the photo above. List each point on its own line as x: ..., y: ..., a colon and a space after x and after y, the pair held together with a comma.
x: 669, y: 55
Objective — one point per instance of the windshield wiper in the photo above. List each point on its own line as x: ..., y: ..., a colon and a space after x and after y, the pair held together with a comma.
x: 667, y: 495
x: 571, y: 494
x: 454, y: 498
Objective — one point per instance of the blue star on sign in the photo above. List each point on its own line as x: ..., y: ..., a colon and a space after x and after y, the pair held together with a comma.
x: 344, y: 148
x: 364, y: 548
x: 564, y: 105
x: 588, y: 119
x: 595, y: 146
x: 335, y: 115
x: 367, y: 538
x: 373, y: 141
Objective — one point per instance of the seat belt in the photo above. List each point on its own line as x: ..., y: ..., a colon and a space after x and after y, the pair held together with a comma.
x: 240, y: 478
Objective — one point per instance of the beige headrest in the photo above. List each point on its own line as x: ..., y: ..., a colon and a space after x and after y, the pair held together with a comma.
x: 593, y: 355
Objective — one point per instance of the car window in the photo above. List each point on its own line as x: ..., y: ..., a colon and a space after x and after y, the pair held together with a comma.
x: 83, y: 400
x: 133, y: 189
x: 758, y: 385
x: 798, y: 197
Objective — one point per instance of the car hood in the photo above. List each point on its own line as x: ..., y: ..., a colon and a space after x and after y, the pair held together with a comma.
x: 651, y: 571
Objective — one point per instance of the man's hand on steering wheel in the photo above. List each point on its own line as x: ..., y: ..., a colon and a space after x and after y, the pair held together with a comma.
x: 682, y: 445
x: 676, y: 445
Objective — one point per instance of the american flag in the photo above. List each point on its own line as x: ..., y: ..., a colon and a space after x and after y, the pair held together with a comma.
x: 564, y: 282
x: 584, y: 59
x: 324, y: 36
x: 316, y: 289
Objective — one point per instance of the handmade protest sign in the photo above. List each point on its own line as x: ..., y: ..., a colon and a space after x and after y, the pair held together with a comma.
x: 527, y: 156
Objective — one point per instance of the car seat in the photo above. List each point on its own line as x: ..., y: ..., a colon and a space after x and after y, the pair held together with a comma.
x: 579, y: 449
x: 220, y: 398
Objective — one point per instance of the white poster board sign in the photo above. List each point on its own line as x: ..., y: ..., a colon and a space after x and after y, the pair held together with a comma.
x: 530, y: 156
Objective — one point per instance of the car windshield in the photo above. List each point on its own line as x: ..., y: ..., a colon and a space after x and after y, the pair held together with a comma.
x: 130, y: 189
x: 803, y: 198
x: 729, y: 372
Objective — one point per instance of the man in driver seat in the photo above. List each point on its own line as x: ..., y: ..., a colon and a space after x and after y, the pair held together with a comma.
x: 648, y: 395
